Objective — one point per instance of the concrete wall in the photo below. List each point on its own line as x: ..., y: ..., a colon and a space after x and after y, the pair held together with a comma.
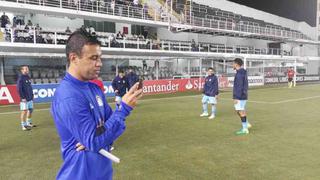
x: 163, y: 33
x: 55, y: 23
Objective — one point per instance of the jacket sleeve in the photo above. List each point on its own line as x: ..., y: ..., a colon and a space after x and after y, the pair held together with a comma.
x: 245, y: 84
x: 114, y: 85
x: 21, y: 89
x: 216, y: 86
x: 82, y: 125
x: 239, y: 87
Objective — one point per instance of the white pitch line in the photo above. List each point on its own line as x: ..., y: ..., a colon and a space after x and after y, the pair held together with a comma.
x: 45, y: 109
x: 295, y: 100
x: 16, y: 112
x: 193, y: 96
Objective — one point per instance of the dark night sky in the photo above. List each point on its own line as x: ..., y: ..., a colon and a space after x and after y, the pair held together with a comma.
x: 299, y: 10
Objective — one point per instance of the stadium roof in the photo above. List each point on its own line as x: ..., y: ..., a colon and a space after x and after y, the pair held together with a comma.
x: 298, y: 10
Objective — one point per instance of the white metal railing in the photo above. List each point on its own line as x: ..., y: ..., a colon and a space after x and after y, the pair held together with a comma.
x: 109, y: 40
x: 246, y: 28
x: 132, y: 11
x: 220, y: 18
x: 98, y: 6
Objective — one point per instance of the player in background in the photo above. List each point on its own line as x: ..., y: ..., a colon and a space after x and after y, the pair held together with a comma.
x: 240, y: 95
x: 120, y: 86
x: 210, y: 94
x: 26, y: 96
x: 290, y: 74
x: 132, y: 78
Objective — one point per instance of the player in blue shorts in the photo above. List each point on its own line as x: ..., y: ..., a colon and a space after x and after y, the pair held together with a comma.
x: 240, y: 95
x: 26, y: 96
x: 84, y: 121
x: 210, y: 94
x: 120, y: 86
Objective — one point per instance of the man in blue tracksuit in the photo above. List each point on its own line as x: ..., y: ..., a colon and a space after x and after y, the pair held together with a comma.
x: 240, y: 95
x: 132, y: 78
x: 210, y: 94
x: 84, y: 120
x: 26, y: 98
x: 120, y: 86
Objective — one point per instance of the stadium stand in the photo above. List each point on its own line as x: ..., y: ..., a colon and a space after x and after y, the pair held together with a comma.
x: 200, y: 16
x: 206, y: 16
x: 32, y: 34
x: 202, y: 19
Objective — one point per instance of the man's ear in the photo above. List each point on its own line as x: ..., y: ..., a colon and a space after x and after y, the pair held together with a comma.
x: 73, y: 58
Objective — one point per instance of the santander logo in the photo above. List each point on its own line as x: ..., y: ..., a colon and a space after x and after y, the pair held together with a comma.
x: 161, y: 86
x: 189, y: 85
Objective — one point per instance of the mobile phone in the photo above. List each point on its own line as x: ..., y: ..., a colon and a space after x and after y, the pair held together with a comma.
x: 140, y: 84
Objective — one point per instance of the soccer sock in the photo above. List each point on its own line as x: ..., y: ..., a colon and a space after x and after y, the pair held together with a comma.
x: 29, y: 121
x: 205, y: 108
x: 213, y: 109
x: 23, y: 123
x: 244, y: 122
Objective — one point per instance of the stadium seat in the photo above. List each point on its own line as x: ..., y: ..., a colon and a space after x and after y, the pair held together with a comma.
x: 37, y: 81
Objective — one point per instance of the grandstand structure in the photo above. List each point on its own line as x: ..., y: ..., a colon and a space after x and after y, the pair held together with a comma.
x: 160, y: 39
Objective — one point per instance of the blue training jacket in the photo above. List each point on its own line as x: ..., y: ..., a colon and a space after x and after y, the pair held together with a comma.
x: 211, y: 87
x: 132, y: 79
x: 120, y: 84
x: 24, y: 87
x: 240, y: 86
x: 82, y: 115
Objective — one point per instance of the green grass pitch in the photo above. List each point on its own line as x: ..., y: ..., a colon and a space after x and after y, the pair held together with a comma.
x: 166, y: 139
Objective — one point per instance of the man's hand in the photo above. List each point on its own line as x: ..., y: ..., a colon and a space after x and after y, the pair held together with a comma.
x: 23, y: 100
x: 132, y: 96
x: 235, y: 101
x: 217, y: 97
x: 80, y: 147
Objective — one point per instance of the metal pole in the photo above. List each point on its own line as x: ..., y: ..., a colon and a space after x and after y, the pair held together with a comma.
x: 295, y: 73
x: 245, y: 63
x: 2, y: 72
x: 157, y: 70
x: 189, y: 64
x: 190, y: 10
x: 67, y: 67
x: 117, y: 67
x: 11, y: 35
x: 200, y: 76
x: 263, y: 66
x: 55, y: 38
x: 34, y: 36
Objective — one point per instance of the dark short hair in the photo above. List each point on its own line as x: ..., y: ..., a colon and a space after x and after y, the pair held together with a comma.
x: 210, y: 68
x: 22, y: 66
x: 78, y: 39
x: 238, y: 61
x: 121, y: 71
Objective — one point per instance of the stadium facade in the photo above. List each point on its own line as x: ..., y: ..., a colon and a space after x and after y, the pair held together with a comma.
x: 160, y: 39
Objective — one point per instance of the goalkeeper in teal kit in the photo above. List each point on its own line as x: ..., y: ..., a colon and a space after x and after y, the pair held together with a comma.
x: 84, y: 121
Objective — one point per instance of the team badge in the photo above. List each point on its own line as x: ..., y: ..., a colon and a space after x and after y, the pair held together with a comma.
x: 99, y: 100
